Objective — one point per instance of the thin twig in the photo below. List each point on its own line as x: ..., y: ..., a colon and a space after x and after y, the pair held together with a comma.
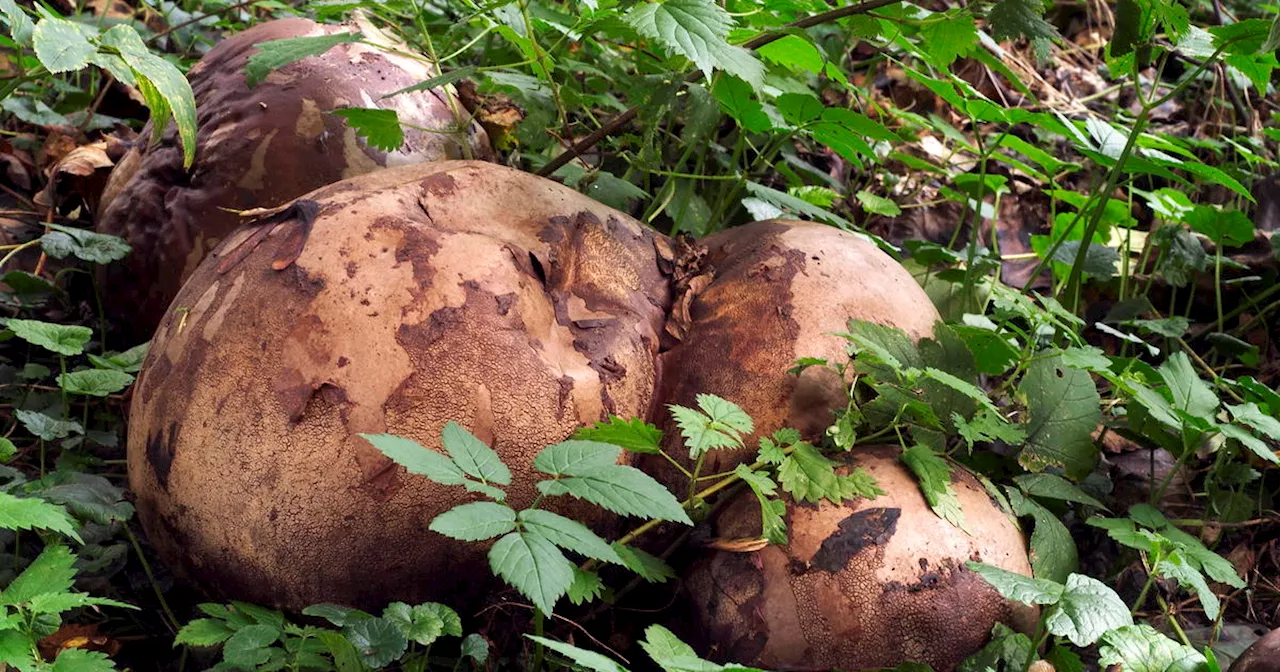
x: 616, y: 123
x: 575, y: 624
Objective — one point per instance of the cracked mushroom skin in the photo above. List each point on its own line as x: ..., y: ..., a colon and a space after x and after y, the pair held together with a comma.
x: 394, y: 302
x: 762, y: 296
x: 260, y: 147
x: 866, y: 584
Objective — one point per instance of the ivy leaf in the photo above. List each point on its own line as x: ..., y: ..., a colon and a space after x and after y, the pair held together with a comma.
x: 52, y: 571
x: 276, y: 54
x: 61, y: 45
x: 377, y: 640
x: 1016, y: 587
x: 95, y: 382
x: 417, y: 459
x: 534, y: 566
x: 380, y: 128
x: 620, y: 489
x: 948, y: 37
x: 934, y: 474
x: 1020, y: 18
x: 64, y: 339
x: 570, y: 457
x: 29, y: 513
x: 588, y: 660
x: 1062, y: 405
x: 1087, y: 609
x: 651, y: 568
x: 203, y: 632
x: 472, y: 456
x: 423, y: 626
x: 697, y: 30
x: 1141, y: 648
x: 635, y: 435
x: 476, y: 521
x: 569, y: 535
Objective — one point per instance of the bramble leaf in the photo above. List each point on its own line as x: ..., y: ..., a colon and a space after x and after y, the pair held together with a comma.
x: 276, y: 54
x: 476, y: 521
x: 531, y: 564
x: 635, y: 435
x: 699, y: 31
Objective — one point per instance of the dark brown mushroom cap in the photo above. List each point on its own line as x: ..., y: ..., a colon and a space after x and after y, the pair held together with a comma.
x: 260, y: 147
x: 1261, y: 656
x: 454, y: 291
x: 864, y: 585
x: 779, y: 291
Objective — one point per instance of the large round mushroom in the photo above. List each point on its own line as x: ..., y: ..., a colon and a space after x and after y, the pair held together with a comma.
x: 258, y: 147
x: 759, y: 298
x: 393, y: 302
x: 867, y: 584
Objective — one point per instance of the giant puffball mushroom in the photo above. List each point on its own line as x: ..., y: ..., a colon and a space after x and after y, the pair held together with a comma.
x: 767, y: 294
x: 866, y: 584
x: 1261, y: 656
x: 393, y: 302
x: 262, y: 146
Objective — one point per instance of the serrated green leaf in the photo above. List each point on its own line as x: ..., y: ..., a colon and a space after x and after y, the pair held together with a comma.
x: 336, y: 614
x: 799, y: 108
x: 61, y: 45
x: 947, y: 37
x: 1052, y: 486
x: 345, y: 656
x: 1191, y: 395
x: 662, y: 645
x: 583, y: 658
x: 569, y: 535
x: 441, y: 80
x: 1053, y: 552
x: 1063, y: 412
x: 620, y: 489
x: 20, y: 25
x: 1016, y: 587
x: 377, y: 640
x: 794, y: 53
x: 737, y: 100
x: 165, y: 88
x: 1141, y: 648
x: 379, y: 128
x: 56, y: 603
x: 878, y: 205
x: 34, y: 514
x: 1087, y: 609
x: 586, y: 587
x: 635, y: 435
x: 697, y: 30
x: 203, y: 632
x: 47, y: 427
x: 934, y: 475
x: 476, y: 521
x: 1175, y: 566
x: 64, y: 339
x: 417, y: 459
x: 773, y: 526
x: 1020, y: 18
x: 276, y: 54
x: 476, y: 648
x: 95, y: 382
x: 570, y: 457
x: 808, y: 476
x: 91, y: 497
x: 472, y: 455
x: 82, y: 660
x: 51, y: 572
x: 93, y: 247
x: 534, y: 566
x: 650, y: 567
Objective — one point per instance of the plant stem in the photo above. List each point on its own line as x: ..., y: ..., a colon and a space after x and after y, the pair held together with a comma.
x: 170, y: 620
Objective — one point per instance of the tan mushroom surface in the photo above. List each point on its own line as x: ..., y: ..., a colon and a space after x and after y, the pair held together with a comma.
x: 765, y: 295
x: 392, y: 302
x: 1261, y: 656
x: 866, y: 584
x: 259, y: 147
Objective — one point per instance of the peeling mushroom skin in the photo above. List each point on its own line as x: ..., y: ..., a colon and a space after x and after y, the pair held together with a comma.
x: 455, y: 291
x: 867, y: 584
x: 260, y: 147
x: 779, y: 291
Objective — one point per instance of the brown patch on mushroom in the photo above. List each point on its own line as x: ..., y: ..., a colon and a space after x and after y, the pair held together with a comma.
x: 863, y: 585
x: 761, y: 296
x: 259, y: 148
x: 386, y: 321
x: 1261, y: 656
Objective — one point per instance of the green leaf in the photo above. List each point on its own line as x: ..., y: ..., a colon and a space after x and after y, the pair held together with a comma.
x: 336, y: 614
x: 1062, y: 405
x: 129, y: 361
x: 417, y: 459
x: 164, y: 87
x: 569, y: 535
x: 797, y: 206
x: 472, y: 456
x: 773, y: 525
x: 635, y: 435
x: 987, y: 426
x: 586, y: 587
x: 737, y: 101
x: 16, y: 650
x: 96, y: 248
x: 934, y: 475
x: 794, y: 53
x: 571, y: 457
x: 56, y: 603
x: 1141, y: 648
x: 1052, y: 486
x: 20, y: 25
x: 276, y: 54
x: 808, y: 476
x: 1016, y: 587
x: 52, y: 571
x: 34, y: 514
x: 476, y: 648
x: 203, y: 632
x: 878, y: 205
x: 377, y: 640
x: 476, y: 521
x: 380, y: 128
x: 95, y: 382
x: 534, y: 566
x: 61, y: 45
x: 662, y: 645
x: 799, y: 108
x: 1020, y: 18
x: 1224, y: 227
x: 650, y: 567
x: 948, y: 37
x: 1175, y: 566
x: 620, y: 489
x: 64, y: 339
x: 1053, y: 552
x: 91, y: 497
x: 345, y: 656
x: 47, y: 427
x: 1087, y: 609
x: 583, y: 658
x: 1191, y: 395
x: 697, y: 30
x: 82, y: 660
x: 1250, y: 415
x: 455, y: 75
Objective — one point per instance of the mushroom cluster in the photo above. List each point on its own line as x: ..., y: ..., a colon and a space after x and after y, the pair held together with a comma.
x: 369, y: 297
